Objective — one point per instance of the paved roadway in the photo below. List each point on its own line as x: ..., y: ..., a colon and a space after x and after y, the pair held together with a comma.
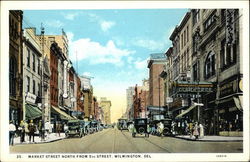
x: 114, y: 141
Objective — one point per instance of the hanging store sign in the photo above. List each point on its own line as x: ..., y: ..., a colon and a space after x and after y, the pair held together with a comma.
x: 30, y: 97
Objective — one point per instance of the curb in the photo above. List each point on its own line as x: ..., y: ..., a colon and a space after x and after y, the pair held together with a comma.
x: 38, y: 142
x: 188, y: 139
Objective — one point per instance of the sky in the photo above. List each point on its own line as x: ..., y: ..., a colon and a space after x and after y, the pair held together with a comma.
x: 111, y: 46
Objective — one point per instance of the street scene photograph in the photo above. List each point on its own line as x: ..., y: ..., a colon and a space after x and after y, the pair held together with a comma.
x: 167, y: 80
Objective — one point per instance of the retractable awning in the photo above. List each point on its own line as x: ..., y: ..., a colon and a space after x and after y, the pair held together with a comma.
x: 186, y: 111
x: 237, y: 102
x: 32, y: 112
x: 62, y: 114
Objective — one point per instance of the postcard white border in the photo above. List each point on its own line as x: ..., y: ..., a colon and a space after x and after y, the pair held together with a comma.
x: 49, y: 5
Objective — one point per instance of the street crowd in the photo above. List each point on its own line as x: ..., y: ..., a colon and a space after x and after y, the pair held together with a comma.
x: 194, y: 129
x: 28, y: 130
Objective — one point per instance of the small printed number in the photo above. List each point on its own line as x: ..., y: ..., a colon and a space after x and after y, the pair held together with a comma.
x: 221, y: 155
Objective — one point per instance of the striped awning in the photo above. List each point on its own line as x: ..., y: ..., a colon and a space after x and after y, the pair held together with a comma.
x: 186, y: 111
x: 32, y: 112
x: 63, y: 115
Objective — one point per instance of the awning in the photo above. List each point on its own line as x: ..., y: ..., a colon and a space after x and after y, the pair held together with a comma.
x: 155, y: 108
x: 238, y: 103
x: 32, y: 112
x: 63, y: 115
x: 186, y: 111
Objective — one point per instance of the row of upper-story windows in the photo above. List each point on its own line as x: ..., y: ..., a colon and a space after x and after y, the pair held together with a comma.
x: 13, y: 28
x: 36, y: 87
x: 36, y: 67
x: 209, y: 21
x: 228, y: 58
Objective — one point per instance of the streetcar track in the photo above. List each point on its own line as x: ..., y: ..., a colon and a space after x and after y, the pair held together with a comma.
x: 98, y: 139
x: 151, y: 143
x: 113, y: 147
x: 157, y: 145
x: 131, y: 142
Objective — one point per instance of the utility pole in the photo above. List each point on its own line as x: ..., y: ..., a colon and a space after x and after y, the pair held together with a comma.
x: 159, y: 95
x: 42, y: 84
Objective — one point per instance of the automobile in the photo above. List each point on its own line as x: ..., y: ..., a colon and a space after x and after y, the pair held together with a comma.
x: 167, y: 131
x: 122, y: 124
x: 93, y: 126
x: 75, y: 128
x: 87, y: 127
x: 140, y: 127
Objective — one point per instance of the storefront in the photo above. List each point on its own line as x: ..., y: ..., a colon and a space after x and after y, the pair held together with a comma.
x: 229, y: 107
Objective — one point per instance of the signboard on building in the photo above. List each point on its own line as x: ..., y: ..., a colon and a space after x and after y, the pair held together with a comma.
x: 31, y: 98
x: 230, y: 86
x: 169, y: 99
x: 85, y: 83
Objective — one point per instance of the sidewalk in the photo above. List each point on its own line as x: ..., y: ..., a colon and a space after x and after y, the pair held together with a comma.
x: 212, y: 138
x: 52, y: 137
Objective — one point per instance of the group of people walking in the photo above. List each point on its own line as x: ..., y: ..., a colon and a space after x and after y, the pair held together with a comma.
x: 28, y: 130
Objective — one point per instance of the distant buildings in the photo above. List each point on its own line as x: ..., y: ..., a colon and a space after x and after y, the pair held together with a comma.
x: 106, y: 106
x: 156, y: 64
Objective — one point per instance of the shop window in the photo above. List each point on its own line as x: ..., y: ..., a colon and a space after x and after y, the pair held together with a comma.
x: 12, y: 76
x: 210, y: 65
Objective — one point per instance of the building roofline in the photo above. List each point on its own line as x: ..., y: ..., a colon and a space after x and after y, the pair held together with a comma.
x: 184, y: 20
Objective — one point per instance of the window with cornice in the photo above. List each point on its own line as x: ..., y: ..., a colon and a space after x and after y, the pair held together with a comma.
x: 209, y: 22
x: 196, y: 16
x: 210, y: 65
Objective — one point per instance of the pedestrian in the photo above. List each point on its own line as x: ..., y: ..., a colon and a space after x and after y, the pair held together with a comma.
x: 32, y: 130
x: 22, y: 131
x: 47, y: 129
x: 58, y: 128
x: 160, y: 129
x: 12, y: 130
x: 196, y: 131
x: 26, y: 130
x: 40, y: 129
x: 191, y: 129
x: 201, y: 130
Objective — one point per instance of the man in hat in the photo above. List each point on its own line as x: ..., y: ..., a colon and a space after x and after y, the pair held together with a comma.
x: 32, y: 130
x: 12, y: 129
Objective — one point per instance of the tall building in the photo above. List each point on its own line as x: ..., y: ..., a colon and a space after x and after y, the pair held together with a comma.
x: 129, y: 111
x: 156, y: 65
x: 215, y: 77
x: 88, y: 96
x: 106, y: 106
x: 15, y: 66
x: 32, y: 74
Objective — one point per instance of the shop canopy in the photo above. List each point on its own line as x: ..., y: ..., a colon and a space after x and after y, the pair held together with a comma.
x: 32, y: 112
x: 186, y: 111
x: 63, y: 115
